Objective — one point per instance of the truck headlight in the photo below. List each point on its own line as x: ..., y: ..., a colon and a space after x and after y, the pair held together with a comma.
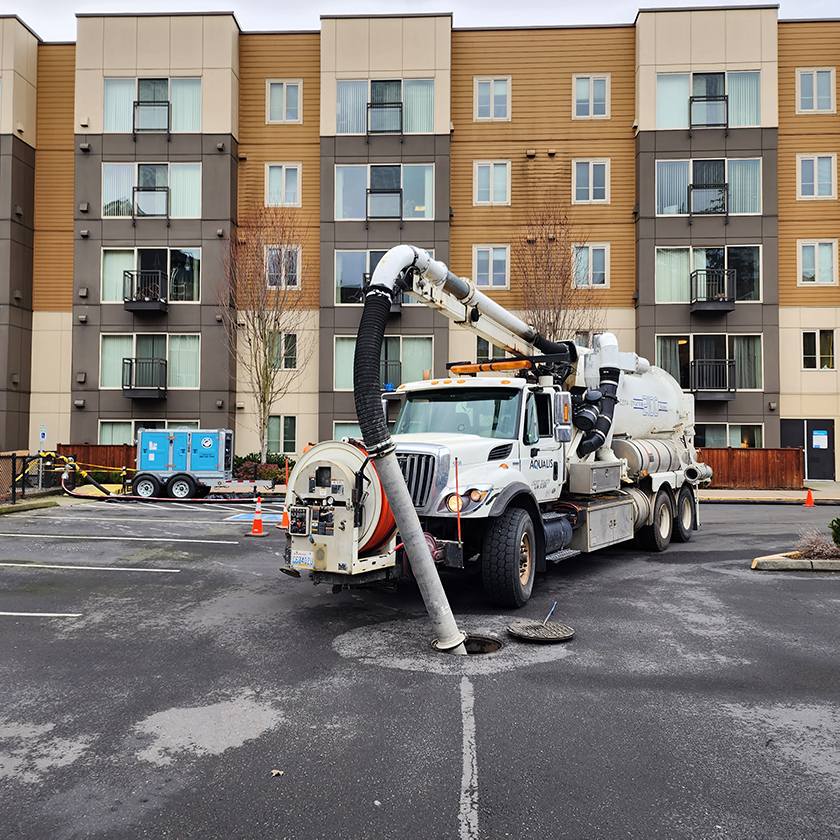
x: 454, y: 502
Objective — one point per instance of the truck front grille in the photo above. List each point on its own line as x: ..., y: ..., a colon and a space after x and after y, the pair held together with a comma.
x: 419, y: 473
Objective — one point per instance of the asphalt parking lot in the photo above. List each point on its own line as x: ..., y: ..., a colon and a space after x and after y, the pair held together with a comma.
x: 160, y: 678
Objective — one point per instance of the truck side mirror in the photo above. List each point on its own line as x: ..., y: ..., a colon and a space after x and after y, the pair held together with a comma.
x: 563, y: 417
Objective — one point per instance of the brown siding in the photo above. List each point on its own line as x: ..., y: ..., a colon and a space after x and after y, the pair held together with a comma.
x: 804, y: 44
x: 541, y: 65
x: 54, y: 168
x: 282, y: 56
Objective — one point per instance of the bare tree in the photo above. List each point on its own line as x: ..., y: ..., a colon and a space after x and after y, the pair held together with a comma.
x: 263, y: 304
x: 558, y: 301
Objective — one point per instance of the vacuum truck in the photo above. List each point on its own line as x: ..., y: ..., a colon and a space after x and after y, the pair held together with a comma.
x: 510, y: 465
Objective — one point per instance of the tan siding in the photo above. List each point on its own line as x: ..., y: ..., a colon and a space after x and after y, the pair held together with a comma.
x: 804, y: 44
x: 282, y: 56
x: 54, y: 178
x: 541, y: 65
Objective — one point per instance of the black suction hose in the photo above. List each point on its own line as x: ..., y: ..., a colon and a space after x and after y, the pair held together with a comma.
x: 597, y: 436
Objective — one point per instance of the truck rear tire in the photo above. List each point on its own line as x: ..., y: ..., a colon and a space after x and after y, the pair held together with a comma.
x: 145, y: 486
x: 657, y: 535
x: 180, y: 487
x: 686, y: 513
x: 508, y: 561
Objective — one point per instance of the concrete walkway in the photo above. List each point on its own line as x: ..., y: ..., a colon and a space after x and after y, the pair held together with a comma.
x: 823, y: 492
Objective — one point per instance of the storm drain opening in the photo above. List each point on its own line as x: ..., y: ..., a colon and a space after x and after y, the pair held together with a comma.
x: 477, y: 644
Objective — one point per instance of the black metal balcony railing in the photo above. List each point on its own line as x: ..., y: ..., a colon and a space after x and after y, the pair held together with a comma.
x: 708, y: 112
x: 713, y: 289
x: 151, y: 116
x: 390, y: 374
x: 144, y: 378
x: 385, y: 118
x: 150, y: 202
x: 384, y: 204
x: 707, y: 200
x: 145, y: 291
x: 713, y: 379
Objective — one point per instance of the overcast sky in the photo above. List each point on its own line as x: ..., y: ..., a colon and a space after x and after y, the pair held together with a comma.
x: 54, y: 20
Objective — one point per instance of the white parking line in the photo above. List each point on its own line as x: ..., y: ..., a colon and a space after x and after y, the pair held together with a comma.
x: 120, y: 519
x: 88, y: 568
x: 44, y: 615
x: 122, y: 539
x: 468, y: 812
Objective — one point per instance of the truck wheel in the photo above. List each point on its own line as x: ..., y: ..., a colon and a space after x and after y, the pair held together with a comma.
x: 508, y: 561
x: 180, y: 487
x: 145, y: 485
x: 686, y: 512
x: 657, y: 535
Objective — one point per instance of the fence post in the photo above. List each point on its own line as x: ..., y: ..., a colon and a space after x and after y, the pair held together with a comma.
x: 14, y: 477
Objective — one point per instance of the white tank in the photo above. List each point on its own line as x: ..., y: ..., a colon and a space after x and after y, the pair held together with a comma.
x: 651, y: 405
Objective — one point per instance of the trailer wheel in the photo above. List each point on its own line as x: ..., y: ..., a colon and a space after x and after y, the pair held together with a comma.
x: 508, y: 561
x: 180, y: 487
x: 203, y: 491
x: 145, y: 485
x: 686, y: 513
x: 657, y: 535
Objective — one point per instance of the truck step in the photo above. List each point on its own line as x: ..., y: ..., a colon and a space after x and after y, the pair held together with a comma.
x: 563, y: 554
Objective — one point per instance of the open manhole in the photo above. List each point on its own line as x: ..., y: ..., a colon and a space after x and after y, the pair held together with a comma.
x: 541, y: 631
x: 477, y: 644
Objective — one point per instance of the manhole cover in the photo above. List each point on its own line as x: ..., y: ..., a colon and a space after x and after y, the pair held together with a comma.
x: 541, y: 631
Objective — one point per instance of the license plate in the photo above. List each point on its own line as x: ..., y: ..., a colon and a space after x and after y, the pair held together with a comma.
x: 302, y: 559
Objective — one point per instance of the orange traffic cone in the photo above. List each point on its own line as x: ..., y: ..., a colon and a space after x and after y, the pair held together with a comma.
x: 284, y: 520
x: 257, y: 528
x: 809, y: 501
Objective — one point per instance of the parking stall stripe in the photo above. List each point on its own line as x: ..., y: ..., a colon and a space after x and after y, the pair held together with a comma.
x: 43, y: 615
x: 121, y: 519
x: 88, y: 568
x: 468, y: 812
x: 120, y: 539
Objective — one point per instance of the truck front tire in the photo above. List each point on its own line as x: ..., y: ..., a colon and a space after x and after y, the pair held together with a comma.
x: 686, y: 512
x: 508, y: 561
x: 145, y: 485
x: 657, y: 535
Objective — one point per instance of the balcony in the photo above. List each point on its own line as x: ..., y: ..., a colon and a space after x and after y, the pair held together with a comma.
x: 151, y: 116
x: 713, y: 379
x: 708, y: 200
x: 385, y: 118
x: 150, y: 203
x: 145, y: 291
x: 708, y: 112
x: 144, y: 379
x: 384, y: 204
x: 390, y: 374
x: 713, y: 290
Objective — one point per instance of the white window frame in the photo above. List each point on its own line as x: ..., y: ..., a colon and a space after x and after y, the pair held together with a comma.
x: 592, y: 162
x: 171, y: 425
x: 589, y: 246
x: 367, y: 187
x: 491, y: 79
x: 800, y: 243
x: 727, y: 426
x: 169, y: 80
x: 282, y: 356
x: 431, y: 338
x: 134, y: 356
x: 592, y: 77
x: 137, y: 164
x: 407, y: 300
x: 283, y: 418
x: 496, y: 353
x: 168, y: 249
x: 284, y: 82
x: 402, y: 80
x: 491, y: 164
x: 726, y: 161
x: 690, y: 75
x: 298, y: 166
x: 815, y: 157
x: 490, y: 247
x: 801, y: 71
x: 816, y: 333
x: 283, y: 284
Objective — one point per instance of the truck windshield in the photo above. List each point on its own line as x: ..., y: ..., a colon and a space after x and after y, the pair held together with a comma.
x: 490, y: 412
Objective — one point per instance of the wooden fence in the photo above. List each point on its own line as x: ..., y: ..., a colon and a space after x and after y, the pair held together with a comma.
x: 757, y: 469
x: 109, y: 456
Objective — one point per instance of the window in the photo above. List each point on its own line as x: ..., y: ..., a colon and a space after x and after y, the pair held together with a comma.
x: 352, y: 271
x: 381, y: 106
x: 384, y: 192
x: 349, y: 429
x: 180, y: 353
x: 169, y: 190
x: 282, y: 266
x: 817, y: 262
x: 402, y: 359
x: 709, y: 273
x: 284, y: 351
x: 592, y: 265
x: 283, y: 101
x: 282, y: 434
x: 712, y: 362
x: 491, y: 98
x: 592, y: 97
x: 815, y: 90
x: 728, y: 186
x: 818, y: 349
x: 737, y: 435
x: 591, y: 181
x: 282, y: 184
x: 491, y: 266
x: 487, y: 352
x: 491, y: 179
x: 125, y: 431
x: 172, y: 274
x: 708, y: 100
x: 816, y: 177
x: 152, y: 105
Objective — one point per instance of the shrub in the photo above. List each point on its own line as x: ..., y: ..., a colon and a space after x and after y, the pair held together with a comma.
x: 276, y: 459
x: 263, y: 471
x: 834, y: 525
x: 814, y: 545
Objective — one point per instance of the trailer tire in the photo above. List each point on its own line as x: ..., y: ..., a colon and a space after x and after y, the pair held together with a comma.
x: 684, y: 521
x: 180, y: 486
x: 203, y: 491
x: 145, y: 485
x: 657, y: 535
x: 508, y: 561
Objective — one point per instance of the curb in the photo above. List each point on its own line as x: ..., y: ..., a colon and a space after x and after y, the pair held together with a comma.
x: 20, y: 507
x: 774, y: 501
x: 785, y: 563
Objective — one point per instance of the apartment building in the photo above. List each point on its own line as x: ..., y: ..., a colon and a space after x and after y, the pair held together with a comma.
x: 694, y: 151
